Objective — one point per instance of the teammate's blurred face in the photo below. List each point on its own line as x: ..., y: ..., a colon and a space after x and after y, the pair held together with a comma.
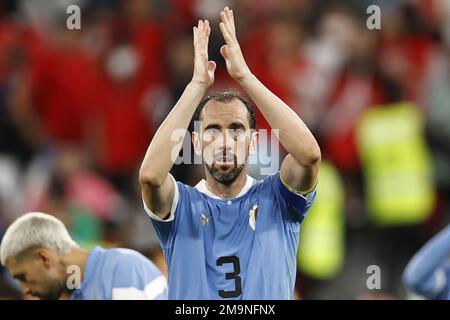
x: 226, y: 140
x: 41, y: 273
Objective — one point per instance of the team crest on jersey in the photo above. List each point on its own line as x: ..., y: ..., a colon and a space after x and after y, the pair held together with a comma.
x: 204, y: 219
x: 252, y: 215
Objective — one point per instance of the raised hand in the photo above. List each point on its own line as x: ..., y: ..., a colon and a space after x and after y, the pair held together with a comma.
x: 203, y: 68
x: 231, y: 52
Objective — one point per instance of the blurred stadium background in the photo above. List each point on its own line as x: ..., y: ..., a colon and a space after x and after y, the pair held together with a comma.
x: 78, y: 109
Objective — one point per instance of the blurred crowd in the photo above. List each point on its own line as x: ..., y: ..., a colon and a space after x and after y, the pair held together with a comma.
x: 78, y: 109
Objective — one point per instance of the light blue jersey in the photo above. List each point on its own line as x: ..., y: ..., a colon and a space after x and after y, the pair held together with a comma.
x: 237, y: 248
x: 428, y: 272
x: 120, y: 274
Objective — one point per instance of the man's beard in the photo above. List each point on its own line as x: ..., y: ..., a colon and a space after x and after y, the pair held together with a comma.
x: 55, y: 287
x: 53, y: 292
x: 228, y: 176
x: 225, y: 177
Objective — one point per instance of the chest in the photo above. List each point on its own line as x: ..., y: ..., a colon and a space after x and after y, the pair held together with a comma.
x: 231, y: 222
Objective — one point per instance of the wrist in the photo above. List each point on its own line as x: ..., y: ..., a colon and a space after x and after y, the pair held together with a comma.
x: 198, y: 85
x: 244, y: 76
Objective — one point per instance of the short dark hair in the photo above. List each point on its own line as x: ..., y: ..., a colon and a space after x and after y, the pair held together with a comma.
x: 227, y: 96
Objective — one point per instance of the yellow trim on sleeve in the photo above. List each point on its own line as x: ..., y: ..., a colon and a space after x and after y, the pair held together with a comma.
x: 298, y: 191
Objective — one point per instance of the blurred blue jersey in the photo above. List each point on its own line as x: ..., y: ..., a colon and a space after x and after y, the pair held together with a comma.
x: 428, y: 272
x: 120, y: 274
x: 236, y: 248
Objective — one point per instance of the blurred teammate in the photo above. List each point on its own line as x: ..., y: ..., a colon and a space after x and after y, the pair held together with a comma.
x: 428, y: 272
x: 230, y: 237
x: 38, y: 251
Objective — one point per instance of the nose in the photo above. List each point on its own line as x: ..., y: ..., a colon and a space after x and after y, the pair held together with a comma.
x: 227, y: 140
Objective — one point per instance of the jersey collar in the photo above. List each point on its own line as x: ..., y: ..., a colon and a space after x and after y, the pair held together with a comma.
x: 201, y: 186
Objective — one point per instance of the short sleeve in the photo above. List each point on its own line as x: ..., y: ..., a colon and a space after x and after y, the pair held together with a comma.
x: 293, y: 204
x: 163, y: 227
x: 172, y: 209
x: 433, y: 286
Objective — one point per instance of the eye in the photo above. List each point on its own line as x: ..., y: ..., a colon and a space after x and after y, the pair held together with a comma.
x: 237, y: 133
x: 211, y: 133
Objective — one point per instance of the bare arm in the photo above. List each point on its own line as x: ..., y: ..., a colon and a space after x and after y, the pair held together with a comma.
x: 300, y: 167
x: 157, y: 186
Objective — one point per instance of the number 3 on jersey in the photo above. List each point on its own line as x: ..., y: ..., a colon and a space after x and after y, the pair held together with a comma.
x: 231, y: 276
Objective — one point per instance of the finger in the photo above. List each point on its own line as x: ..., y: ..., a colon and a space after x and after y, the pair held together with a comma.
x: 207, y: 30
x: 201, y: 36
x: 194, y: 32
x: 228, y: 14
x: 208, y: 33
x: 200, y: 31
x: 225, y: 33
x: 206, y: 27
x: 197, y: 35
x: 199, y: 27
x: 211, y: 66
x: 199, y: 52
x: 224, y: 52
x: 232, y: 20
x: 225, y: 21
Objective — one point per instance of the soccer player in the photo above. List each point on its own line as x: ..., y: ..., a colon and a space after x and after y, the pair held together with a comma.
x: 39, y: 252
x: 428, y: 272
x: 229, y: 237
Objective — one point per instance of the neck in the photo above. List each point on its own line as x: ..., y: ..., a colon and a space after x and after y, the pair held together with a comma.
x: 226, y: 191
x: 77, y: 257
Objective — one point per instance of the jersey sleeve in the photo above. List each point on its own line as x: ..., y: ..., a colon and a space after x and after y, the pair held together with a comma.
x: 433, y: 286
x: 172, y: 209
x: 137, y: 278
x: 427, y: 272
x: 294, y: 205
x: 163, y: 227
x: 167, y: 229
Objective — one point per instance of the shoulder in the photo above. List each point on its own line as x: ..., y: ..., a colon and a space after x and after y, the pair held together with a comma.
x: 122, y: 258
x: 268, y: 182
x: 134, y: 277
x: 187, y: 190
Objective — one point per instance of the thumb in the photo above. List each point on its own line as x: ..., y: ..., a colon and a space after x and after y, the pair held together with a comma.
x: 211, y: 66
x: 224, y: 51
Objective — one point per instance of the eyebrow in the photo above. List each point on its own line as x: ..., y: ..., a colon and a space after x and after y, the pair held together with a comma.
x: 234, y: 125
x: 213, y: 126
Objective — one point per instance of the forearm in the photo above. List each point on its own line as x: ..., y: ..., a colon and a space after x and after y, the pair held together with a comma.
x: 428, y: 259
x: 159, y: 158
x: 293, y: 133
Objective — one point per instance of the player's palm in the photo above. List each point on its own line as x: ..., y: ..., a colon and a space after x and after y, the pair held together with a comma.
x: 231, y: 52
x: 236, y: 66
x: 203, y: 68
